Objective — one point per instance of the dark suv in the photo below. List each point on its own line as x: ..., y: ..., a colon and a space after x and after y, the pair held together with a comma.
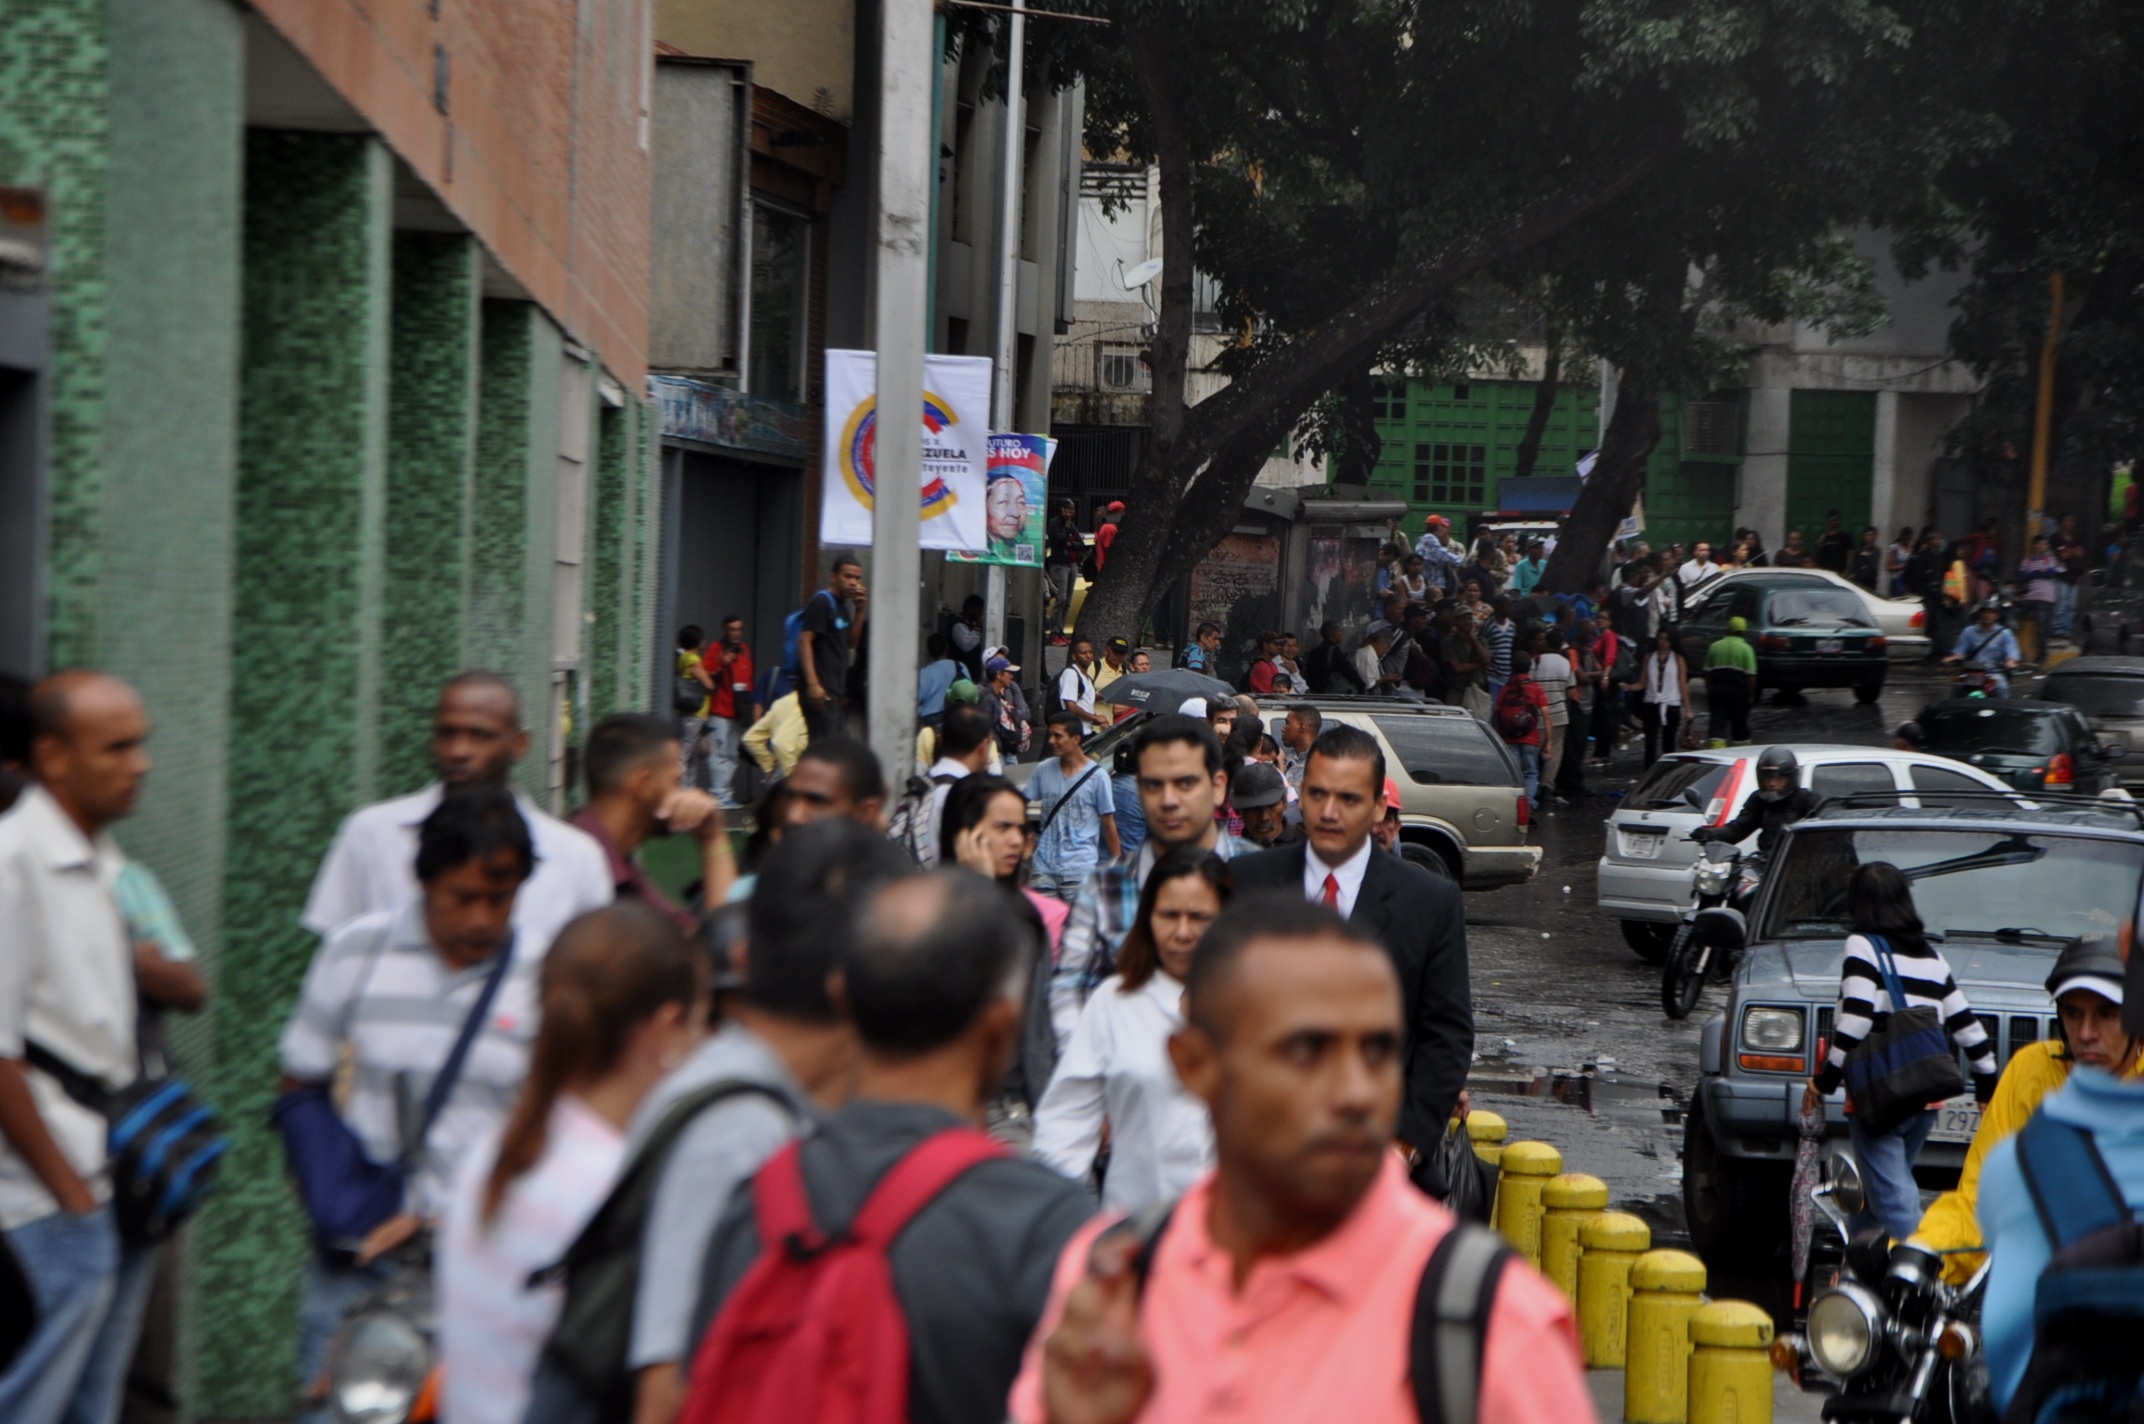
x: 2032, y: 745
x: 2002, y: 884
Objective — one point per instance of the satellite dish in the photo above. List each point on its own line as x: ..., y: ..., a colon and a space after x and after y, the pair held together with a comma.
x: 1145, y: 272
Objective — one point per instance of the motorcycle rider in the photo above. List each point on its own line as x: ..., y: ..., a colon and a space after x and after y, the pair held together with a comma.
x: 1778, y: 803
x: 2086, y: 985
x: 1990, y: 645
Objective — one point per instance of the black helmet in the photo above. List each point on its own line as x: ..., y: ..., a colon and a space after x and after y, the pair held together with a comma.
x: 1913, y: 735
x: 1777, y: 759
x: 2092, y: 962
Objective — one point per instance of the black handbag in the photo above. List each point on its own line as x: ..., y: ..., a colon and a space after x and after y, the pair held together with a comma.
x: 1905, y: 1063
x: 1453, y: 1173
x: 162, y: 1146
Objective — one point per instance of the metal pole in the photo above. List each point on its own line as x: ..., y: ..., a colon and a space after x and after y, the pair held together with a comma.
x: 1007, y: 353
x: 2043, y: 412
x: 901, y: 227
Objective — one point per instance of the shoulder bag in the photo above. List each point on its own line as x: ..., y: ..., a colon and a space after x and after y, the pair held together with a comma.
x: 1905, y: 1063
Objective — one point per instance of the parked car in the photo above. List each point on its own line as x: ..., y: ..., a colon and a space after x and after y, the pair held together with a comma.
x: 1902, y: 621
x: 2108, y: 692
x: 2002, y: 885
x: 2030, y: 744
x: 1463, y: 809
x: 1807, y: 633
x: 1643, y: 879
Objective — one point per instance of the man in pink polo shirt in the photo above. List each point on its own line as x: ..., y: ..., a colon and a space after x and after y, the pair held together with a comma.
x: 1283, y: 1286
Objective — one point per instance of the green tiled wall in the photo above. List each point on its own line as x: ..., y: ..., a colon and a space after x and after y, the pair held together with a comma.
x: 610, y: 518
x: 311, y: 505
x: 640, y: 665
x: 431, y: 448
x: 53, y: 86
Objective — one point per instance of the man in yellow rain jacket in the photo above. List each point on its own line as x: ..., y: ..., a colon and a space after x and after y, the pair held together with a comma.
x: 2087, y: 989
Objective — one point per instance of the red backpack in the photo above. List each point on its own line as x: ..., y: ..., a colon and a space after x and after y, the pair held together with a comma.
x: 1515, y: 719
x: 814, y: 1330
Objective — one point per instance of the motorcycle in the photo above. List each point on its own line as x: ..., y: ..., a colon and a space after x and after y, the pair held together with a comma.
x: 1882, y: 1329
x: 1976, y: 680
x: 383, y: 1367
x: 1713, y: 927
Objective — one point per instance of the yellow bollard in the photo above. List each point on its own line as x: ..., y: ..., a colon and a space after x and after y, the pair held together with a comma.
x: 1609, y: 1245
x: 1666, y: 1289
x: 1487, y: 1131
x: 1730, y: 1364
x: 1527, y: 1168
x: 1568, y: 1202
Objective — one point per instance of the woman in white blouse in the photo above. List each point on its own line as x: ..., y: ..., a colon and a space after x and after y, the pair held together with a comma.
x: 1664, y: 680
x: 1116, y: 1071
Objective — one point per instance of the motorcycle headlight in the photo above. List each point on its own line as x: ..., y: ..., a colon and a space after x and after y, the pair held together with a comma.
x: 379, y: 1367
x: 1710, y: 879
x: 1772, y: 1030
x: 1844, y: 1324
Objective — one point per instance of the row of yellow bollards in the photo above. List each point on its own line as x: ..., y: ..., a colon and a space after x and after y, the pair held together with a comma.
x: 1685, y: 1361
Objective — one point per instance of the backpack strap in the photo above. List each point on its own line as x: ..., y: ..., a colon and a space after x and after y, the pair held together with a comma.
x: 2071, y: 1187
x: 916, y: 1180
x: 1451, y: 1323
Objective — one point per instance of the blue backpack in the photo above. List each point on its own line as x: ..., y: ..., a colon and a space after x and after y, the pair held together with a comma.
x: 792, y: 671
x: 2088, y: 1310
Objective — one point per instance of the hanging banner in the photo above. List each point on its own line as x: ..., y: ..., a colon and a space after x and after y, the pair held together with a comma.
x: 1016, y: 502
x: 956, y: 432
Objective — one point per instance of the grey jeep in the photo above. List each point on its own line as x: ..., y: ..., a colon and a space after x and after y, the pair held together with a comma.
x: 2002, y: 883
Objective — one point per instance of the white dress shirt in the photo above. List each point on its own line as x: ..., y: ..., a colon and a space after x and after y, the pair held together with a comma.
x: 1348, y: 872
x: 66, y: 981
x: 372, y: 867
x: 1693, y: 572
x: 1116, y: 1069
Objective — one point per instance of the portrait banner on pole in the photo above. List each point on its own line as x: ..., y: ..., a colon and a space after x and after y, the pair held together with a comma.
x: 1016, y: 501
x: 956, y: 450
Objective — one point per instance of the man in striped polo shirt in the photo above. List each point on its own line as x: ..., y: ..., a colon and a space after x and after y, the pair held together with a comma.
x: 394, y: 987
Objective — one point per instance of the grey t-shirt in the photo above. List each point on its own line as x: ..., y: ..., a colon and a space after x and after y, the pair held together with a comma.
x: 971, y: 1270
x: 724, y: 1146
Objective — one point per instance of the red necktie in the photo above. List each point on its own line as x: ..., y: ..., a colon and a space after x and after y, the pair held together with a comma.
x: 1332, y: 892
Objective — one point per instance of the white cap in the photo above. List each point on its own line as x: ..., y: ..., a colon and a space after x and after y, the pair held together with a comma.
x: 2100, y: 984
x: 1194, y: 707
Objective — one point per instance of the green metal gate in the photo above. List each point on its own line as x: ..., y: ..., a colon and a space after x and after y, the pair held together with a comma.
x: 1831, y: 452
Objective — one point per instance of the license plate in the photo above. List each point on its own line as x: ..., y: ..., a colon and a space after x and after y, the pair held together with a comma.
x: 1829, y: 645
x: 1641, y: 845
x: 1956, y: 1121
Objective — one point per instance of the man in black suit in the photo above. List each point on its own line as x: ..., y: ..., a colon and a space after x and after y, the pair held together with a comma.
x: 1417, y: 916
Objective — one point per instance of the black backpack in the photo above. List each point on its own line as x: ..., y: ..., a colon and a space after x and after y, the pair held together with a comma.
x: 593, y: 1339
x: 2088, y: 1311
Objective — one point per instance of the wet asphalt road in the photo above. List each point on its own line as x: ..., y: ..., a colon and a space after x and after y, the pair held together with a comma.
x: 1571, y: 1045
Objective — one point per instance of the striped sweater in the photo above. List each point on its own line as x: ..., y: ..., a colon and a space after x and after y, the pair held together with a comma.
x: 1925, y: 976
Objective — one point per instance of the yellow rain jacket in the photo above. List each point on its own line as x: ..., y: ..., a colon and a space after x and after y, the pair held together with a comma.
x: 1951, y: 1224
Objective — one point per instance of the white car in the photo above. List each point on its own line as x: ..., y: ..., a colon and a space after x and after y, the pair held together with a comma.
x: 1902, y: 621
x: 1643, y: 879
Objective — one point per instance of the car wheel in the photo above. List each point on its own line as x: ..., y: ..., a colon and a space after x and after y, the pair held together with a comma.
x: 1868, y: 692
x: 1415, y: 853
x: 1651, y: 941
x: 1736, y: 1210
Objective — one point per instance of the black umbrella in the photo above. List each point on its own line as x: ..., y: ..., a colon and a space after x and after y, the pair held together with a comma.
x: 1164, y: 691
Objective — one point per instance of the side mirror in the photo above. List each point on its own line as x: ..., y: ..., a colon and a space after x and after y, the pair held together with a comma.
x: 2113, y: 751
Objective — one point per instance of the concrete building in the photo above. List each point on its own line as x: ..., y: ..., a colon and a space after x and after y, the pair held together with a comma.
x: 331, y: 384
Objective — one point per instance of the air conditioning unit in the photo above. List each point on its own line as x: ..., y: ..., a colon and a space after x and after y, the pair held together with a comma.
x: 1712, y: 429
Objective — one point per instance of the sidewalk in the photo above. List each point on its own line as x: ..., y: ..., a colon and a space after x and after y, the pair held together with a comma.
x: 1789, y: 1404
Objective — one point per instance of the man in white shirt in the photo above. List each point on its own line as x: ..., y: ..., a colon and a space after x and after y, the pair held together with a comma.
x: 67, y: 984
x: 1076, y: 688
x: 964, y: 748
x: 1700, y: 567
x: 476, y: 738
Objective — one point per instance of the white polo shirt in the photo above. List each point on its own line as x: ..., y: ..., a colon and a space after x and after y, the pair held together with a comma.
x: 372, y: 867
x: 66, y: 981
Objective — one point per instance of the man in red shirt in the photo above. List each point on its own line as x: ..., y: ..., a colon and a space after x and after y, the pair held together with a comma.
x: 1283, y: 1286
x: 1107, y: 534
x: 732, y: 706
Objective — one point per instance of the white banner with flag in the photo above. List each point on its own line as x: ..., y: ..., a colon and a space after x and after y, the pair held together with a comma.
x: 956, y: 450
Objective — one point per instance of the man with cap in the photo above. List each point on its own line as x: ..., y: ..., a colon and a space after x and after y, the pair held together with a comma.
x: 1112, y: 515
x: 1265, y: 673
x: 1261, y: 799
x: 2087, y: 987
x: 1439, y: 563
x: 962, y: 693
x: 1002, y: 703
x: 1114, y: 653
x: 1370, y: 658
x: 1730, y: 678
x: 1386, y: 833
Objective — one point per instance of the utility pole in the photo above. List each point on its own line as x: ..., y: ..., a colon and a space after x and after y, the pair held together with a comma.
x: 2043, y: 413
x: 899, y: 296
x: 1007, y: 346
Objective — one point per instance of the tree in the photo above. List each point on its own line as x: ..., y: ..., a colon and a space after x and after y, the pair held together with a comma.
x: 1341, y: 167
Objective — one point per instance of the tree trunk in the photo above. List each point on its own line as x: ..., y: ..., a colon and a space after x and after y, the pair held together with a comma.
x: 1611, y: 489
x: 1544, y: 406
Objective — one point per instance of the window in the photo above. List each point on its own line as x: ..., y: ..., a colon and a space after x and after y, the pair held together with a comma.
x: 1118, y: 368
x: 1712, y: 430
x: 1666, y: 786
x: 1388, y: 401
x: 1961, y: 731
x: 1451, y: 475
x: 1844, y: 778
x: 781, y: 302
x: 1937, y: 778
x: 1813, y: 607
x: 1447, y: 751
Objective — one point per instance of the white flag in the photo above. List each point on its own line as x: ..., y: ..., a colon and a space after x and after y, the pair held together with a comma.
x: 956, y: 450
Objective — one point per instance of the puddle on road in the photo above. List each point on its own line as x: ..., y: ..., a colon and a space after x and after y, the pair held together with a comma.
x: 1590, y: 1089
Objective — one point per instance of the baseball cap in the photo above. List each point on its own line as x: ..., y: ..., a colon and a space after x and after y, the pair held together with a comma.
x: 1193, y: 707
x: 1436, y: 521
x: 2092, y: 963
x: 1377, y: 625
x: 998, y: 665
x: 1392, y: 793
x: 1115, y: 506
x: 1122, y: 645
x: 962, y: 690
x: 1257, y: 785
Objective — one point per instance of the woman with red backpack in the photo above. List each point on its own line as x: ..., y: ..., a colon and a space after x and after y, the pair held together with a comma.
x: 1521, y: 719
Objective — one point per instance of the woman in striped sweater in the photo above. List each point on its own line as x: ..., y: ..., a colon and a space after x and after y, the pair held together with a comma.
x: 1879, y: 904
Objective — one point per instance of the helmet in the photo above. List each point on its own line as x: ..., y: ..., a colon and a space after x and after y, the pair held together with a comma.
x: 1777, y: 759
x: 1913, y: 735
x: 2093, y: 963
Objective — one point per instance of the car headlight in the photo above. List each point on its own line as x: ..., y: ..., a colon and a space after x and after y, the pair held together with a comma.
x: 1772, y: 1030
x: 1843, y: 1327
x: 379, y: 1367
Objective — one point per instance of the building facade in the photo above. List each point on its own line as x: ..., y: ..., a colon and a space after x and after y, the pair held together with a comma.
x: 339, y: 388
